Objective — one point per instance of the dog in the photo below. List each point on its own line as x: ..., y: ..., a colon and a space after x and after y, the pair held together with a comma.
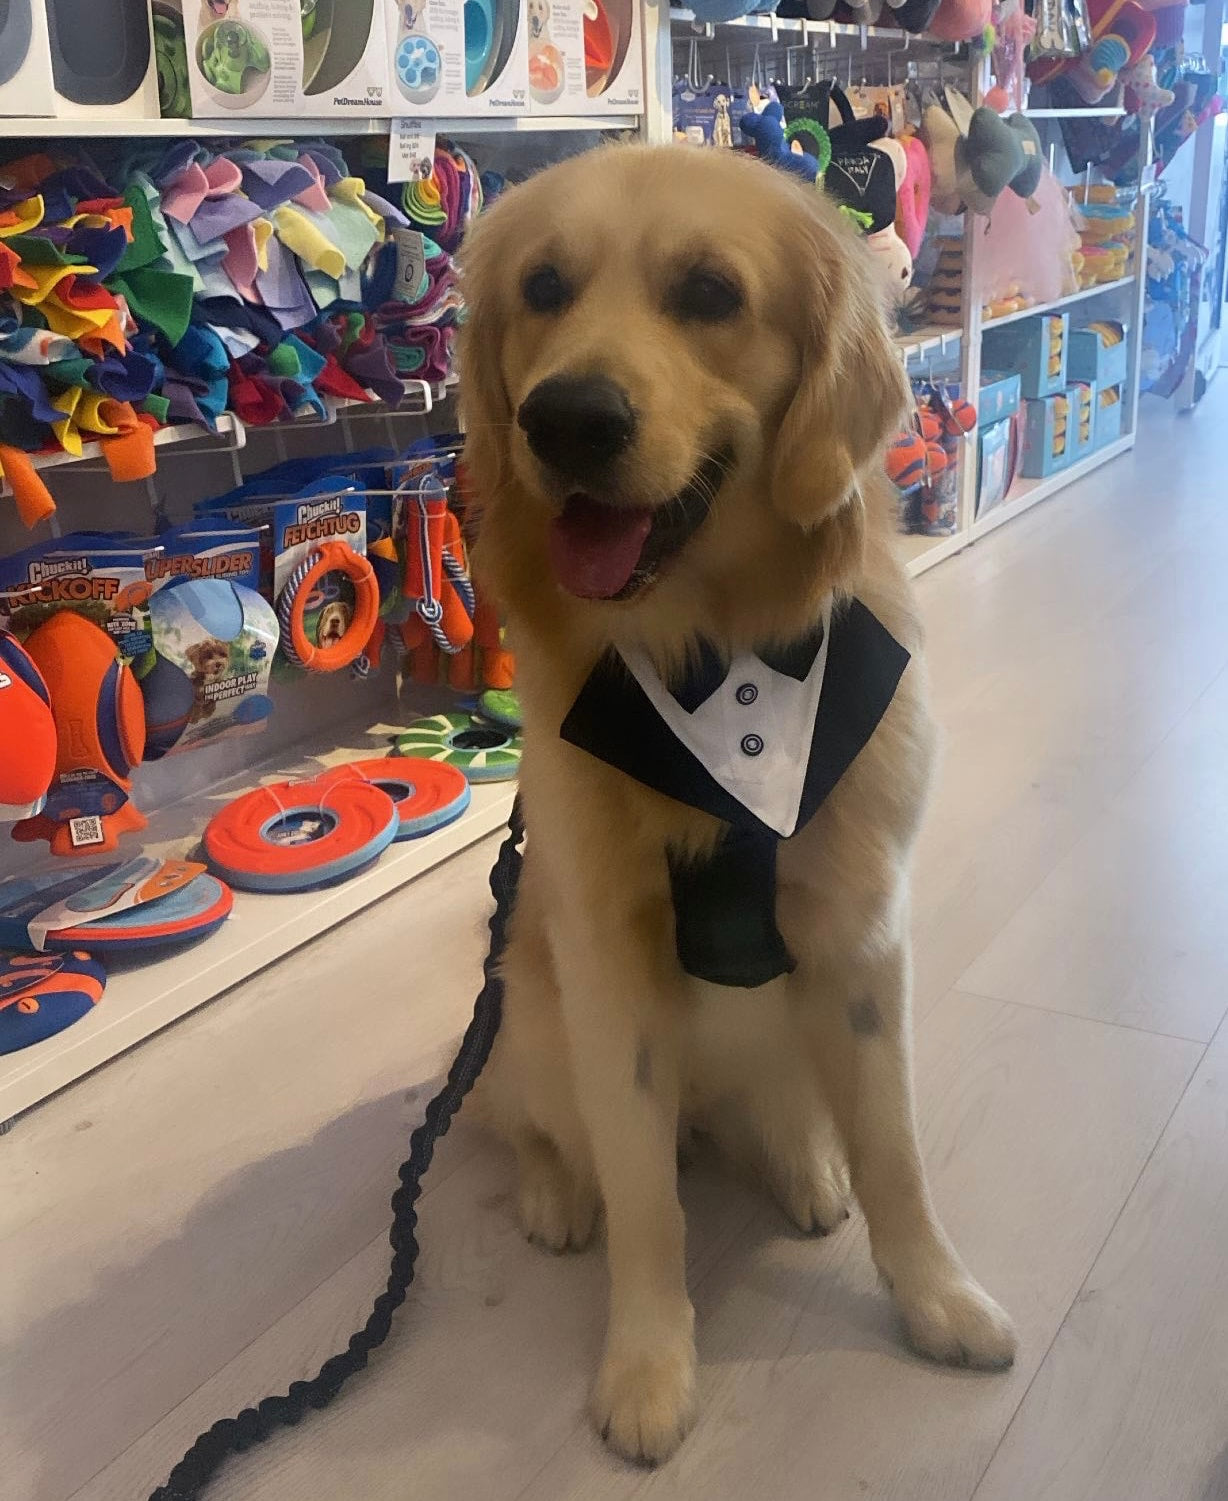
x: 538, y: 12
x: 209, y: 660
x: 335, y: 620
x: 678, y: 386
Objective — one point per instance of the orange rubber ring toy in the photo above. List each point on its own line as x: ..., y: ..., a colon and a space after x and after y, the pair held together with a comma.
x: 294, y: 836
x: 328, y: 557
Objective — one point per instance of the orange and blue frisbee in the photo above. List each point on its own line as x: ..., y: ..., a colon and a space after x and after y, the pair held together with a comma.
x: 41, y: 994
x: 296, y: 836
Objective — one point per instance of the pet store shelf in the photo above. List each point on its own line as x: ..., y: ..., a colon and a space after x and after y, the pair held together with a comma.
x: 933, y: 339
x: 246, y: 128
x: 1085, y: 112
x: 1061, y: 302
x: 1026, y: 493
x: 141, y: 1000
x: 231, y: 434
x: 776, y: 24
x: 921, y: 553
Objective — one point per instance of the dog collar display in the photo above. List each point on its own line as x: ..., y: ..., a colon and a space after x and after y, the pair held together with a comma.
x: 797, y: 720
x: 298, y: 597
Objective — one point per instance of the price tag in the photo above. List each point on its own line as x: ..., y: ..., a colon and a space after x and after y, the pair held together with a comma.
x: 411, y: 265
x: 411, y: 151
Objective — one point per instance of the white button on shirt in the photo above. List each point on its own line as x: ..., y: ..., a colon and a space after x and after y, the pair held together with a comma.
x: 753, y: 734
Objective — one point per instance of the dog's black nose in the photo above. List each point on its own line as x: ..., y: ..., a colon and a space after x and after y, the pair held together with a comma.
x: 577, y: 424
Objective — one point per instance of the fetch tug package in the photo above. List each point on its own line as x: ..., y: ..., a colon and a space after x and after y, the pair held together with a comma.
x: 286, y: 57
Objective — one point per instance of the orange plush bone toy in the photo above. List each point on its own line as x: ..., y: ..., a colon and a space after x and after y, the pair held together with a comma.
x: 100, y: 736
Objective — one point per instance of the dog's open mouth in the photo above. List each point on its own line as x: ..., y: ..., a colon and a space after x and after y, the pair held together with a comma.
x: 604, y: 551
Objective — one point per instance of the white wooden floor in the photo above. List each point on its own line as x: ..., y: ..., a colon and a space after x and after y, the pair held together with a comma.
x: 204, y: 1220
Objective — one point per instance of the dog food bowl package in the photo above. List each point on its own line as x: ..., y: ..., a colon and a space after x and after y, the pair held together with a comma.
x: 25, y: 59
x: 458, y: 57
x: 585, y: 57
x: 309, y: 58
x: 102, y: 58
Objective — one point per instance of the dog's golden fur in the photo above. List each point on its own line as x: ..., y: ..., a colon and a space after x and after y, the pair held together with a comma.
x: 606, y: 1045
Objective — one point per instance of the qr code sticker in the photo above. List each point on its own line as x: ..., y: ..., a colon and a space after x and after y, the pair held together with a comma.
x: 83, y: 831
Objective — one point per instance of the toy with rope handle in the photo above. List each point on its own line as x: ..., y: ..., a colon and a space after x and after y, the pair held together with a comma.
x: 292, y: 603
x: 436, y: 574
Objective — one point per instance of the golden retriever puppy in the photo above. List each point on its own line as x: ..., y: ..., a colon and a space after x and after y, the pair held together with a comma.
x: 678, y: 384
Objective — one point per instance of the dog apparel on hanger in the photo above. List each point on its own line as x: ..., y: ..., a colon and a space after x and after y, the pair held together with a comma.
x: 759, y: 742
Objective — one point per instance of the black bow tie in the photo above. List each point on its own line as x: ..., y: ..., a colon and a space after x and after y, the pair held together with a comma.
x: 708, y: 669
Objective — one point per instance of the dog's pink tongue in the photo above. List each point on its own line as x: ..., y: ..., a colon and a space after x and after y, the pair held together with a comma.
x: 594, y: 547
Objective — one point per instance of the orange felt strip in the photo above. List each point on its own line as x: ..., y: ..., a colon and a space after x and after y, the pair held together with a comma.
x: 130, y: 454
x: 34, y: 502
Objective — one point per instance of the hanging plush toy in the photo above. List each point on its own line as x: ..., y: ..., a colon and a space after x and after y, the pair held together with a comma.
x: 1122, y: 32
x: 975, y: 154
x: 766, y: 132
x: 865, y: 188
x: 1145, y: 97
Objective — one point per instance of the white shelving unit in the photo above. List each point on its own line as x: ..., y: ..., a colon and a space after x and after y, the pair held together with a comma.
x: 846, y: 52
x: 249, y: 128
x: 140, y: 1000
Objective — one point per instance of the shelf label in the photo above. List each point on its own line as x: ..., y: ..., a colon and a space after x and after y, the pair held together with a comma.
x: 411, y: 151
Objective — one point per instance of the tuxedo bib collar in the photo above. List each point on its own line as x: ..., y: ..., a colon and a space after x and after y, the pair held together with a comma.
x: 758, y: 742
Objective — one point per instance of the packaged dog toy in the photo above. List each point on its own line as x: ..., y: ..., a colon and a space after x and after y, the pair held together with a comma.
x: 206, y: 676
x: 100, y: 738
x: 99, y: 577
x: 585, y: 57
x: 286, y: 57
x: 458, y: 57
x: 326, y: 591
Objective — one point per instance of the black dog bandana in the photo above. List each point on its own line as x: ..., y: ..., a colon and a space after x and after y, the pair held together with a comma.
x: 759, y: 742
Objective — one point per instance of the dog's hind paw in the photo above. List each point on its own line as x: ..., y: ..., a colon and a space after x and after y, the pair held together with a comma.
x: 813, y: 1192
x: 557, y: 1210
x: 956, y: 1321
x: 644, y: 1400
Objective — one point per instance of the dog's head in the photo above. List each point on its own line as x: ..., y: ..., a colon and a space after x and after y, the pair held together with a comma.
x: 209, y: 659
x: 335, y: 620
x: 539, y: 14
x: 676, y: 368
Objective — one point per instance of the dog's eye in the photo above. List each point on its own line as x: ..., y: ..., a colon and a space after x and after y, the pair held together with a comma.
x: 546, y: 290
x: 705, y: 297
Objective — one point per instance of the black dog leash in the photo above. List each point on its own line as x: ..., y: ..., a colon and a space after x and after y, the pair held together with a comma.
x: 254, y: 1424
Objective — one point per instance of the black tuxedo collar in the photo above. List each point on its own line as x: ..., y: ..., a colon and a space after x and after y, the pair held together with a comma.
x: 708, y: 669
x: 614, y: 720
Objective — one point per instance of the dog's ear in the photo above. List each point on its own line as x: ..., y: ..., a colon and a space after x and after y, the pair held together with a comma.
x: 852, y: 391
x: 486, y: 408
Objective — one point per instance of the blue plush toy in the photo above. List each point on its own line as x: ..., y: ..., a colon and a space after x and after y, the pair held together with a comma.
x: 767, y: 133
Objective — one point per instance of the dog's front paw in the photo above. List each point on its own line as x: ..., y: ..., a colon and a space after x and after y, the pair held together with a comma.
x: 952, y: 1319
x: 644, y: 1400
